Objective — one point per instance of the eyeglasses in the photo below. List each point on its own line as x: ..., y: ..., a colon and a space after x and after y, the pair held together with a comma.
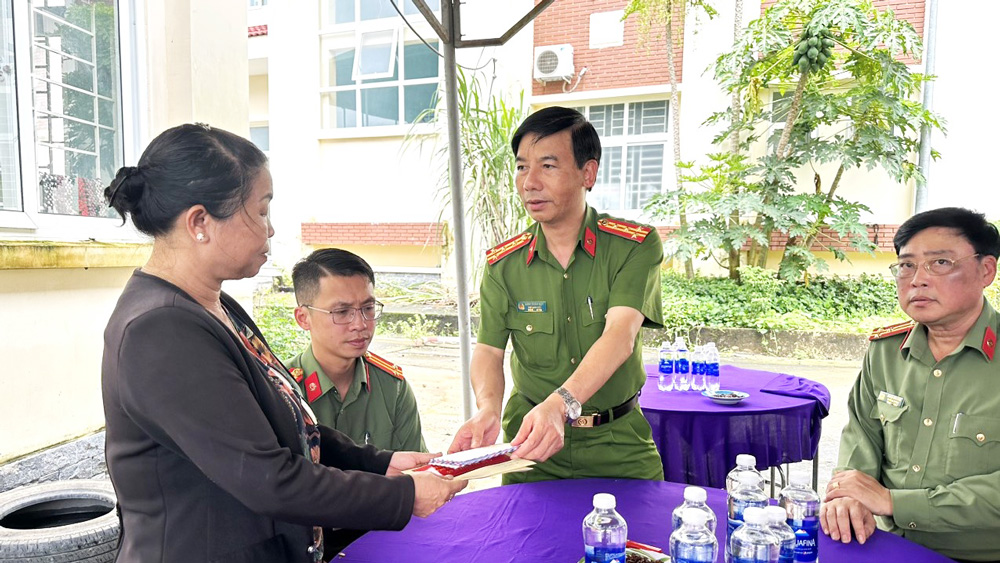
x: 934, y: 267
x: 370, y: 312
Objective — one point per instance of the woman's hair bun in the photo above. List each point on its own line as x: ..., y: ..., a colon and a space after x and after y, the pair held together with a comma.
x: 125, y: 190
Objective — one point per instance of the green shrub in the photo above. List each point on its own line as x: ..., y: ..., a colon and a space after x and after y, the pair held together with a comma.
x: 765, y: 302
x: 273, y: 313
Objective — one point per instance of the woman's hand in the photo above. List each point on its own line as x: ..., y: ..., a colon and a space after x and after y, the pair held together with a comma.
x: 401, y: 461
x: 431, y: 492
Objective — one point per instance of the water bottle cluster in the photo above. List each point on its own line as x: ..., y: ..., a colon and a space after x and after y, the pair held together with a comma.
x: 679, y: 372
x: 756, y: 532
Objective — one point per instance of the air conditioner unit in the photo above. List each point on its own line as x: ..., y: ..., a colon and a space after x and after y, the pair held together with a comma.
x: 554, y: 62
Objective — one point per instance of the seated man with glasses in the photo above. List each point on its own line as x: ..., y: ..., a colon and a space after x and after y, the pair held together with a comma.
x: 348, y: 387
x: 921, y: 450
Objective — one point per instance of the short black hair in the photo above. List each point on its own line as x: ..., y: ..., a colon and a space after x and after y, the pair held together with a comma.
x: 980, y: 233
x: 184, y: 166
x: 555, y: 119
x: 326, y: 262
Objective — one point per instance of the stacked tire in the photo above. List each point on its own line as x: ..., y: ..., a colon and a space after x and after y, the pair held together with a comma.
x: 59, y: 522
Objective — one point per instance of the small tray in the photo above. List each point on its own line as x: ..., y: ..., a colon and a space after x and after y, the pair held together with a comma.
x: 725, y: 396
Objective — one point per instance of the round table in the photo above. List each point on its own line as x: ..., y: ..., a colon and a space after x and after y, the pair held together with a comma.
x: 542, y: 522
x: 699, y: 440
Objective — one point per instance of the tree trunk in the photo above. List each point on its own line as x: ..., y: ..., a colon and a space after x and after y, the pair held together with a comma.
x: 793, y: 114
x: 675, y: 116
x: 734, y: 141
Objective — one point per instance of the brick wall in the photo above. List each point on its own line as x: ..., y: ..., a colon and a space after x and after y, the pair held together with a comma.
x: 379, y: 234
x: 630, y: 65
x: 881, y: 235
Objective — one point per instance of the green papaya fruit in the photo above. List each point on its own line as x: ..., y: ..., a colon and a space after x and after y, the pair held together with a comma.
x: 812, y: 53
x: 813, y: 41
x: 804, y: 64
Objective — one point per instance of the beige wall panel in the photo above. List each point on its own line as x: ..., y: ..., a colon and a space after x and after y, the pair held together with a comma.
x: 52, y: 342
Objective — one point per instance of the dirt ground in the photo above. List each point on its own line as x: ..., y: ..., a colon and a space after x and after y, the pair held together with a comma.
x: 433, y: 370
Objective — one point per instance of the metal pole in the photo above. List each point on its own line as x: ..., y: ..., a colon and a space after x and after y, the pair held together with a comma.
x: 924, y: 160
x: 452, y: 29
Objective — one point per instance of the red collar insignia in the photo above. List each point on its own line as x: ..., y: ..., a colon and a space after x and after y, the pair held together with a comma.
x: 531, y: 252
x: 313, y: 389
x: 297, y: 373
x: 989, y: 343
x: 589, y: 242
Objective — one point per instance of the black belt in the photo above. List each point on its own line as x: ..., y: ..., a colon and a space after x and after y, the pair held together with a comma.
x: 603, y: 417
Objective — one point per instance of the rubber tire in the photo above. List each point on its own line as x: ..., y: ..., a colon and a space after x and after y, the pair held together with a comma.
x: 93, y: 541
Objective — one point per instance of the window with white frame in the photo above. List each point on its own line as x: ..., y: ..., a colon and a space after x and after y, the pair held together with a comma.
x: 68, y: 133
x: 634, y: 145
x: 75, y: 79
x: 375, y: 72
x: 10, y: 173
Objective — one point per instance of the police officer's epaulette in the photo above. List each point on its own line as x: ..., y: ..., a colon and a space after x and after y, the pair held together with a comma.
x: 503, y: 249
x: 385, y: 365
x: 630, y: 231
x: 891, y: 330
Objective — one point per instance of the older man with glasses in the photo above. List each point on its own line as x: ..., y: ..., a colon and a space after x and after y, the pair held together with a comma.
x: 348, y: 387
x: 921, y: 450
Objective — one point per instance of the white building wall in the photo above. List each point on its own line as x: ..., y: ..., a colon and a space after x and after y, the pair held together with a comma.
x: 966, y: 96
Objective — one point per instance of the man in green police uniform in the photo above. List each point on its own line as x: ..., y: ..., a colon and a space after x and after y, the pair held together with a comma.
x: 571, y: 293
x: 349, y: 388
x: 921, y: 450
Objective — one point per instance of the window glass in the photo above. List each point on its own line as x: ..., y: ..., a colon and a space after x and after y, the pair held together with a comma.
x: 608, y: 120
x: 607, y: 191
x: 648, y: 117
x: 632, y: 165
x: 379, y: 106
x: 418, y: 98
x: 411, y: 8
x: 10, y: 165
x: 376, y: 54
x: 644, y: 176
x: 376, y: 9
x: 261, y: 136
x: 343, y: 67
x: 420, y: 61
x: 74, y: 51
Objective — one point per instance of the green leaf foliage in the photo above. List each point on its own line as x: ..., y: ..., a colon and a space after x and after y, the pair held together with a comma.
x: 764, y: 301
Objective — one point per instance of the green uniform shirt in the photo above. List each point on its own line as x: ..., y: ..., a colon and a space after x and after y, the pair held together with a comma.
x: 930, y: 432
x: 379, y: 408
x: 554, y: 315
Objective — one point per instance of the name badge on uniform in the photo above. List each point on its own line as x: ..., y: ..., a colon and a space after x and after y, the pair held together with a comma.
x: 890, y: 399
x: 532, y: 306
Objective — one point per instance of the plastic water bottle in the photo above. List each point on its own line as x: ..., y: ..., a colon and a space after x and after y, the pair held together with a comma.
x: 753, y: 542
x: 682, y: 368
x: 712, y: 368
x: 801, y: 505
x: 698, y: 368
x: 748, y: 494
x: 693, y: 542
x: 694, y: 499
x: 786, y: 536
x: 666, y: 378
x: 745, y: 463
x: 604, y: 532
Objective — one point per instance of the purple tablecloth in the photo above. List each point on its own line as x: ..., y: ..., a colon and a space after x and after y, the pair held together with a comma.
x: 699, y: 440
x: 541, y: 522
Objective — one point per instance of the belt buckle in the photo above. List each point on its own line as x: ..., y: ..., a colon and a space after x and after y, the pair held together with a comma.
x: 585, y: 421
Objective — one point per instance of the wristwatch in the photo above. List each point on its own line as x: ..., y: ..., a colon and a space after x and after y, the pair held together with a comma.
x: 573, y: 407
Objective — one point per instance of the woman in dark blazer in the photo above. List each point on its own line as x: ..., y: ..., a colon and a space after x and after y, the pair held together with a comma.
x: 213, y: 454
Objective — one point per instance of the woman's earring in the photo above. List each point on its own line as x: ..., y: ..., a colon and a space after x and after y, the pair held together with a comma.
x: 200, y: 237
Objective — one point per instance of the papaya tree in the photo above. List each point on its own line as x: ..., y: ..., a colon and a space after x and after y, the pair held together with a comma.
x: 846, y: 99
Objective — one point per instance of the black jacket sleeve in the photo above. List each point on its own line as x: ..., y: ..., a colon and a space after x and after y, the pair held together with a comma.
x: 185, y: 382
